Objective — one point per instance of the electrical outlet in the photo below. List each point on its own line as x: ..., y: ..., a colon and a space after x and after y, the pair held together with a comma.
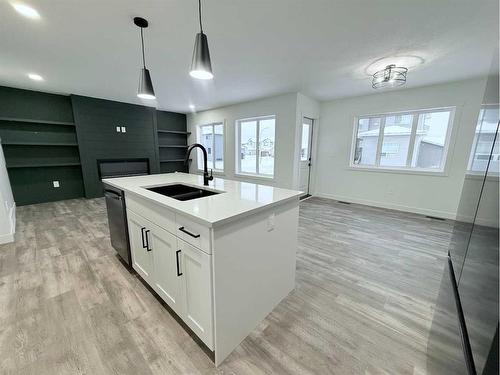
x: 118, y: 129
x: 124, y: 129
x: 55, y: 183
x: 270, y: 222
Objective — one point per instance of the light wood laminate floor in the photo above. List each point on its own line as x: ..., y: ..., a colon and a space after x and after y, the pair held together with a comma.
x: 366, y: 284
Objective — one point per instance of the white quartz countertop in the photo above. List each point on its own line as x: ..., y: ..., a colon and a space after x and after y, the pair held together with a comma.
x: 237, y: 198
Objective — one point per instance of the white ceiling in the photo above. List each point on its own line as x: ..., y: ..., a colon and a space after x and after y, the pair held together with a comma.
x: 322, y: 48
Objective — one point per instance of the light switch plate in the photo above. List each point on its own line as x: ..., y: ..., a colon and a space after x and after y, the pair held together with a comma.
x: 124, y: 129
x: 118, y: 129
x: 55, y: 183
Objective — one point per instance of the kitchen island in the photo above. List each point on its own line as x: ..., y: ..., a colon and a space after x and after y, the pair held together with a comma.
x: 221, y: 256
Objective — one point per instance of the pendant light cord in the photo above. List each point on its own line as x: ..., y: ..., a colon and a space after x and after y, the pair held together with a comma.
x: 199, y: 13
x: 142, y: 44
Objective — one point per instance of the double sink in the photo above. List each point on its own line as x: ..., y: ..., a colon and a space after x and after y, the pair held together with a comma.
x: 182, y: 192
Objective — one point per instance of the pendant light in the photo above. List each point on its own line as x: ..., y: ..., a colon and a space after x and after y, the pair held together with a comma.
x: 201, y: 67
x: 391, y: 76
x: 145, y: 90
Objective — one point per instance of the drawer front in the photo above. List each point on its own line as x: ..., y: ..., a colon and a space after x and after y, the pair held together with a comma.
x: 158, y: 215
x: 193, y: 233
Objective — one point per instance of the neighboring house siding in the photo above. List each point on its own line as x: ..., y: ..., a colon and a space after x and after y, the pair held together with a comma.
x: 429, y: 155
x: 219, y: 146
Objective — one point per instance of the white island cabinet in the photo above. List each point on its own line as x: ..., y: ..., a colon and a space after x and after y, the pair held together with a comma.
x: 221, y: 262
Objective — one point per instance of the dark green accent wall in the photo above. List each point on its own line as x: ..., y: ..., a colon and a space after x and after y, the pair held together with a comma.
x: 96, y: 121
x: 49, y: 137
x: 40, y: 146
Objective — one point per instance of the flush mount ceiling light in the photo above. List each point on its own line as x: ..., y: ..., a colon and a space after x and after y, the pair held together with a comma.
x: 201, y: 66
x: 145, y: 90
x: 26, y: 11
x: 391, y: 76
x: 35, y: 77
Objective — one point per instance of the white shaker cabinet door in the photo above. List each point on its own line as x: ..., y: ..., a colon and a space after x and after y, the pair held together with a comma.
x: 140, y: 237
x: 197, y: 291
x: 167, y: 272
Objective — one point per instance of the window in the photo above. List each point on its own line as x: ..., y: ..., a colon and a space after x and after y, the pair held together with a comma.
x: 483, y: 142
x: 212, y: 137
x: 412, y: 140
x: 255, y: 151
x: 305, y: 141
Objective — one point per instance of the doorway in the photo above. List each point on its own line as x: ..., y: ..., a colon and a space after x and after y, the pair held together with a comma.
x: 305, y: 156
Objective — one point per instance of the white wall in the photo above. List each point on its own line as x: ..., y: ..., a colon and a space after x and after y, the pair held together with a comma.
x: 283, y: 106
x: 420, y: 193
x: 7, y: 205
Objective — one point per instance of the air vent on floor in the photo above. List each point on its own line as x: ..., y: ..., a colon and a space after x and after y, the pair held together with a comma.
x: 435, y: 218
x: 343, y: 202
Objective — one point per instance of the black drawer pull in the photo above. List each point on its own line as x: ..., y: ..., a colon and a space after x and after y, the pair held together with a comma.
x: 142, y: 236
x: 188, y: 232
x: 147, y: 241
x: 177, y: 260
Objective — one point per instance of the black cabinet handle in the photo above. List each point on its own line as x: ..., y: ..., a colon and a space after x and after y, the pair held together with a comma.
x: 177, y: 260
x: 142, y: 236
x: 188, y: 232
x: 147, y: 241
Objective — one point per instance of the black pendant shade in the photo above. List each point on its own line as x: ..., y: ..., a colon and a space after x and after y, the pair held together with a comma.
x: 145, y: 90
x: 201, y: 66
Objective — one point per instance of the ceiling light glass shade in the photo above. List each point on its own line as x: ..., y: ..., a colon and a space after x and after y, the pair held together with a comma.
x: 201, y: 67
x: 391, y: 76
x: 145, y: 90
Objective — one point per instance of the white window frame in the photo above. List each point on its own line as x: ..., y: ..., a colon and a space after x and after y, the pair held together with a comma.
x: 198, y: 139
x: 257, y: 119
x: 475, y: 144
x: 408, y: 168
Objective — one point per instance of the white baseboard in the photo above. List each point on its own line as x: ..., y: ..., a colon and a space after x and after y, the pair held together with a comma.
x: 12, y: 216
x: 6, y: 238
x: 9, y: 237
x: 391, y: 206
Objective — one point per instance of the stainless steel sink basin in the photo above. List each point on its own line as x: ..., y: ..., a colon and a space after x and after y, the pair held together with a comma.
x: 182, y: 192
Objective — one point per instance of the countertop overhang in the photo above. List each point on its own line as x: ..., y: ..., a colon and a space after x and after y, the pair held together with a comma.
x: 236, y: 198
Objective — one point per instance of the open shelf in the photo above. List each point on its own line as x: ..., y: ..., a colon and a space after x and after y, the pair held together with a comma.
x: 40, y: 144
x: 173, y: 160
x: 174, y: 132
x: 172, y: 135
x: 42, y: 165
x: 13, y: 119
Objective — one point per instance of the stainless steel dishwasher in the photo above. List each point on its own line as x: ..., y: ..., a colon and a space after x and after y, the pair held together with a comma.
x: 117, y: 220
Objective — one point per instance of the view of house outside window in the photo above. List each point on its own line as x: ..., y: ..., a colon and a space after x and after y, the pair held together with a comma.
x: 483, y: 142
x: 256, y: 146
x: 211, y: 136
x: 413, y: 140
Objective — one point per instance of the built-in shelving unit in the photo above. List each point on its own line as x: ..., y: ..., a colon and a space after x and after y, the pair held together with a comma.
x: 33, y: 144
x: 172, y: 141
x: 38, y: 137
